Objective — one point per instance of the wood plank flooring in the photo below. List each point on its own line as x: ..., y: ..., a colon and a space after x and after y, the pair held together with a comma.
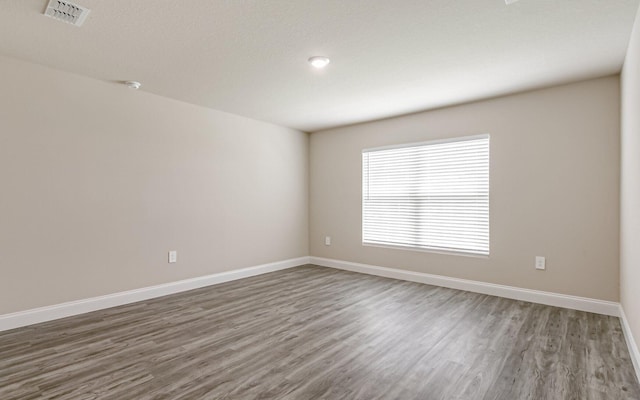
x: 318, y: 333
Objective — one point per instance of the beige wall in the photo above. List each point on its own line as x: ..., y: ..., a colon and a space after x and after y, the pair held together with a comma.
x: 99, y: 182
x: 554, y: 188
x: 630, y: 185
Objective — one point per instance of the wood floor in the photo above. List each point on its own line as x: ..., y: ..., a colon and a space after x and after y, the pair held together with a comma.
x: 318, y: 333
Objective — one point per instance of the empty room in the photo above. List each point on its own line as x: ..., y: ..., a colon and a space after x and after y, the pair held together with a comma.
x: 319, y: 199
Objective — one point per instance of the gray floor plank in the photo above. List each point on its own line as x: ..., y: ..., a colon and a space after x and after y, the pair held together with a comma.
x: 317, y: 333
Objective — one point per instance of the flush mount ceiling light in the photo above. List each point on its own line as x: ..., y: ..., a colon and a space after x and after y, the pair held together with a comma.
x: 133, y: 84
x: 507, y: 2
x: 319, y: 62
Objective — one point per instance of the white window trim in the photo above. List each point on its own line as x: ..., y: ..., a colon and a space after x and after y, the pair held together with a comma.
x: 428, y: 142
x: 426, y: 249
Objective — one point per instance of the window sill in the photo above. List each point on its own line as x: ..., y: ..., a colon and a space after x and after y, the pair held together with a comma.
x: 421, y: 250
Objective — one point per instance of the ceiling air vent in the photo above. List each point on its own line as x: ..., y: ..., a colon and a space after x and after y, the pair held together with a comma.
x: 67, y: 12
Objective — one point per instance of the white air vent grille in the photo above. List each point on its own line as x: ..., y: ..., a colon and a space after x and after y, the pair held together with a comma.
x: 67, y: 12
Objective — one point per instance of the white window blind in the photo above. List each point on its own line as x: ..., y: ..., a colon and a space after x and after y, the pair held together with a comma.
x: 432, y: 196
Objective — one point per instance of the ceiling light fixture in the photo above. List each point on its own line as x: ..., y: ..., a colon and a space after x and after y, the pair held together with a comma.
x: 133, y: 84
x: 319, y: 61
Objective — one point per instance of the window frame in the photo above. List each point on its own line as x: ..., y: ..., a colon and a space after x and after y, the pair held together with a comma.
x: 428, y: 143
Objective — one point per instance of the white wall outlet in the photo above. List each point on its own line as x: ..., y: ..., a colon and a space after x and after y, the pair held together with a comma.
x: 173, y: 256
x: 541, y: 263
x: 327, y: 240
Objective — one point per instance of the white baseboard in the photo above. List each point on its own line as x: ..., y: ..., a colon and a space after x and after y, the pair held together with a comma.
x: 510, y: 292
x: 631, y: 343
x: 48, y: 313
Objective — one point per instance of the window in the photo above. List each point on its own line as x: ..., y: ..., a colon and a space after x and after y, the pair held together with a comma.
x: 431, y: 196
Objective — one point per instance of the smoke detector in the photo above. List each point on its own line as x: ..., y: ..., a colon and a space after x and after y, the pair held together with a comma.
x: 133, y: 84
x: 66, y: 12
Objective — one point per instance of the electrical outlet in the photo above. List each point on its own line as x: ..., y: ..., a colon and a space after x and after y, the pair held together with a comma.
x: 541, y: 263
x: 327, y: 240
x: 173, y: 256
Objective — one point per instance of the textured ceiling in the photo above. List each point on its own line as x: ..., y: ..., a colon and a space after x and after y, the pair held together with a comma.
x: 248, y: 57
